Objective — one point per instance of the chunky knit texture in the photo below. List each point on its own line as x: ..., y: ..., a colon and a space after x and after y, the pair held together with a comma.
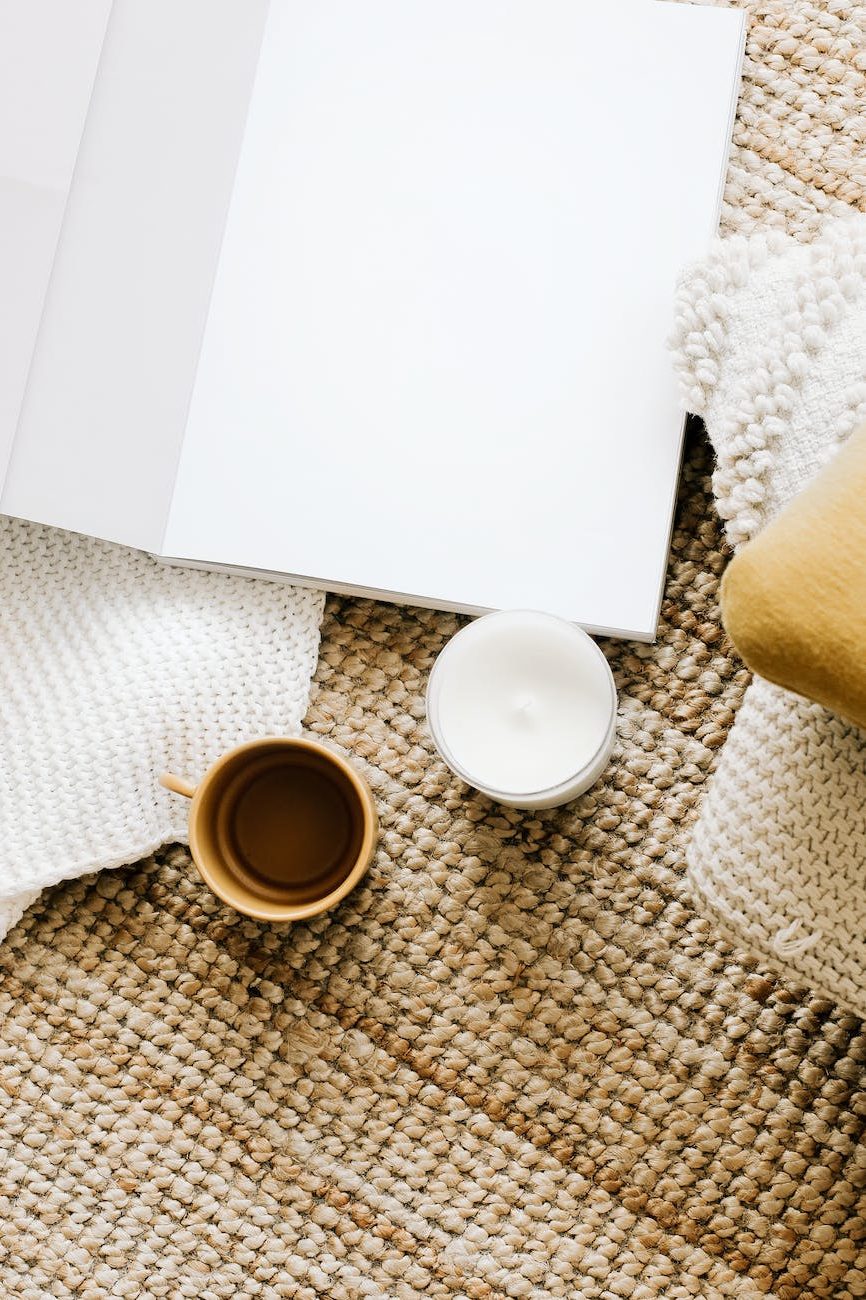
x: 517, y: 1061
x: 771, y: 350
x: 115, y: 668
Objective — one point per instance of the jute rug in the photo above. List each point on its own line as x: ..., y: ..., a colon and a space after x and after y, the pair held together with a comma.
x: 515, y: 1063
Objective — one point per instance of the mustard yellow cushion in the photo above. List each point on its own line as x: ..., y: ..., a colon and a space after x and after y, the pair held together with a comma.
x: 794, y: 598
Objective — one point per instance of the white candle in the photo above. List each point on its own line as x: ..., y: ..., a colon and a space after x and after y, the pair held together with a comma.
x: 522, y: 705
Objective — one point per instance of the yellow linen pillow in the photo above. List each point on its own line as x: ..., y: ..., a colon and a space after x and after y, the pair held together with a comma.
x: 794, y: 598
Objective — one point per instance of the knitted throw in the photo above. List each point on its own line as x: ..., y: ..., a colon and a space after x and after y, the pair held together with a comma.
x: 114, y: 668
x: 771, y: 351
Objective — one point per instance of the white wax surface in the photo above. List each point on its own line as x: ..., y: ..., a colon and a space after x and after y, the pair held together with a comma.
x: 523, y: 701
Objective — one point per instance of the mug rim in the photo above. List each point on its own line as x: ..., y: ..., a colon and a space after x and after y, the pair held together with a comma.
x: 291, y: 912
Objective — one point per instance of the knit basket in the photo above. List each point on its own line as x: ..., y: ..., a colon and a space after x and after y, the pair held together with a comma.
x: 770, y: 348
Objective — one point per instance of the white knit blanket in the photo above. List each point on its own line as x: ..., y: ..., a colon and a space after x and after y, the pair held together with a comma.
x: 770, y: 346
x: 115, y: 668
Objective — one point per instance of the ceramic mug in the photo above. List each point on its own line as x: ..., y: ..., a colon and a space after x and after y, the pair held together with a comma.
x: 281, y: 829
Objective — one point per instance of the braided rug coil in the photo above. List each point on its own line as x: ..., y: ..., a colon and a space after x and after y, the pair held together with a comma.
x: 515, y: 1063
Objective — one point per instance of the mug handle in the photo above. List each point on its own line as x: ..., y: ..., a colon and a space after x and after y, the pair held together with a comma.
x: 177, y: 785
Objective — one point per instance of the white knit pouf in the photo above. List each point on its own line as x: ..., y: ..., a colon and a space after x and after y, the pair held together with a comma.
x: 770, y: 347
x: 112, y: 668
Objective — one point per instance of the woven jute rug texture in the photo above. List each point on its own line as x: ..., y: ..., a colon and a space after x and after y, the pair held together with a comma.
x: 515, y: 1063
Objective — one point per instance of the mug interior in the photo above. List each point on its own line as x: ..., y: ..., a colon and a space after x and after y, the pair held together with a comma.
x: 279, y: 827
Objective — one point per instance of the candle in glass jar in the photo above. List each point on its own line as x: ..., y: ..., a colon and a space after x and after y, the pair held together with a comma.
x: 522, y: 705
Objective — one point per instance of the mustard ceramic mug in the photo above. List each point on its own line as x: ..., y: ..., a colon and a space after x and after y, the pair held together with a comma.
x: 281, y: 829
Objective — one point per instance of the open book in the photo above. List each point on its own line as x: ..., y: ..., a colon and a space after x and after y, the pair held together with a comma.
x: 371, y: 294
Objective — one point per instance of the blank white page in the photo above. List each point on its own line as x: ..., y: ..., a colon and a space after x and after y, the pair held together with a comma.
x: 49, y: 51
x: 105, y: 407
x: 435, y: 360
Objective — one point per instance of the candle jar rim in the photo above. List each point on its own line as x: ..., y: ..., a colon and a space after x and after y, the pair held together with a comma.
x: 563, y: 787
